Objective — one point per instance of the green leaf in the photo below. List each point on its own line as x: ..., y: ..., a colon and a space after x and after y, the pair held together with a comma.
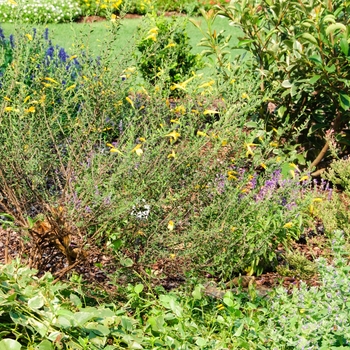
x: 344, y: 101
x: 75, y: 300
x: 45, y: 345
x: 344, y: 46
x: 117, y: 244
x: 239, y: 330
x: 82, y: 317
x: 314, y: 79
x: 244, y: 42
x: 36, y: 302
x: 126, y: 262
x: 10, y: 344
x: 127, y: 324
x: 197, y: 293
x: 138, y: 288
x: 201, y: 342
x: 336, y: 26
x: 310, y: 38
x: 286, y: 84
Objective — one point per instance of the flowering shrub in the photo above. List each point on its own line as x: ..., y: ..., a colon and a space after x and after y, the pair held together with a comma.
x: 38, y: 11
x: 165, y: 53
x: 99, y: 8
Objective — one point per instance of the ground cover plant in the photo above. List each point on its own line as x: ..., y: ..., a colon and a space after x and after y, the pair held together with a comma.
x: 146, y: 185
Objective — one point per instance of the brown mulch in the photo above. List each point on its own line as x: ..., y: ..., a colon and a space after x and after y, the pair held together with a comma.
x: 93, y: 19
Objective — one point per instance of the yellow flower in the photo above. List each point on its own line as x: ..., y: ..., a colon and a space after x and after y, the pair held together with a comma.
x: 172, y: 155
x: 317, y: 200
x: 171, y: 225
x: 274, y: 144
x: 245, y: 96
x: 113, y: 17
x: 181, y: 86
x: 180, y: 109
x: 113, y: 149
x: 263, y: 165
x: 30, y: 38
x: 72, y: 57
x: 174, y: 135
x: 288, y: 225
x: 138, y: 150
x: 304, y: 178
x: 8, y: 109
x: 26, y: 99
x: 170, y: 45
x: 128, y: 99
x: 172, y: 256
x: 152, y: 36
x: 224, y: 143
x: 208, y: 84
x: 142, y: 139
x: 209, y: 111
x: 153, y: 30
x: 220, y: 307
x: 233, y: 229
x: 249, y: 149
x: 231, y: 175
x: 12, y: 2
x: 70, y: 87
x: 7, y: 99
x: 51, y: 80
x: 30, y: 110
x: 201, y: 133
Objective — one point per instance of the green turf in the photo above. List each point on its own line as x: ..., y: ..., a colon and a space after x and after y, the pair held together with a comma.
x: 93, y: 34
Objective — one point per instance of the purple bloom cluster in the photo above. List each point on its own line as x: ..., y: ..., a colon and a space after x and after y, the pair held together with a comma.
x: 269, y: 187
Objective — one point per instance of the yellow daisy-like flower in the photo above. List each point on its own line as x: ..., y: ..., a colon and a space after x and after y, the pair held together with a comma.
x: 138, y: 150
x: 288, y: 225
x: 202, y: 133
x: 174, y: 135
x: 171, y: 225
x: 29, y: 37
x: 172, y: 155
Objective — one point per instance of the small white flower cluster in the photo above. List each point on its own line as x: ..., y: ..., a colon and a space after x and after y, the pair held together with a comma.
x: 39, y: 11
x: 141, y: 211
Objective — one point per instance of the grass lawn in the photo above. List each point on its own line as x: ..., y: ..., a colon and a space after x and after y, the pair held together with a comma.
x: 94, y: 35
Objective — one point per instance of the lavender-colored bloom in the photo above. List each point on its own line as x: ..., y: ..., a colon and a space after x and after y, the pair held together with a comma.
x: 46, y: 34
x: 49, y: 54
x: 220, y: 181
x: 107, y: 200
x: 34, y: 33
x: 120, y: 126
x: 62, y: 55
x: 269, y: 186
x: 88, y: 209
x: 12, y: 41
x: 2, y: 36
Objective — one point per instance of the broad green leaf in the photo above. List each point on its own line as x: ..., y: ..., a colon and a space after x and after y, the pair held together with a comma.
x: 314, y: 79
x: 127, y: 324
x: 286, y: 84
x: 310, y: 38
x: 45, y: 345
x: 75, y: 300
x: 36, y: 302
x: 229, y: 302
x: 98, y: 329
x: 138, y: 288
x: 197, y: 293
x: 117, y: 244
x: 344, y: 101
x: 82, y: 317
x: 10, y: 344
x: 239, y: 330
x: 244, y: 42
x: 336, y: 26
x: 344, y: 46
x: 127, y: 262
x: 201, y: 342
